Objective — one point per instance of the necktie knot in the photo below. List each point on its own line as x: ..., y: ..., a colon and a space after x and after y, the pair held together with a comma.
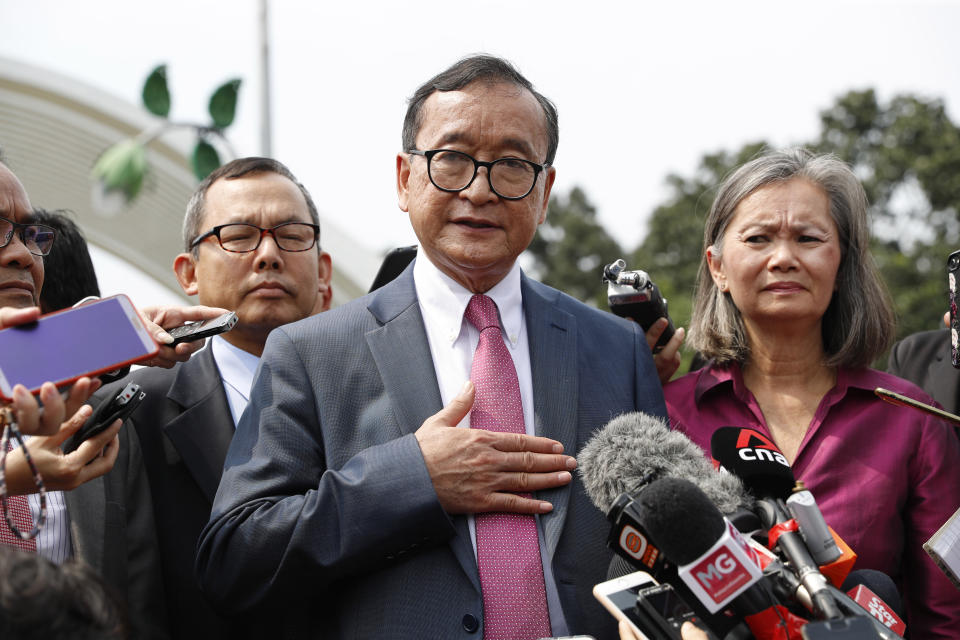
x: 482, y: 312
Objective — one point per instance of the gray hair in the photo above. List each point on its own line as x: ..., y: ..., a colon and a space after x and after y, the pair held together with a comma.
x: 859, y: 323
x: 238, y: 168
x: 478, y: 67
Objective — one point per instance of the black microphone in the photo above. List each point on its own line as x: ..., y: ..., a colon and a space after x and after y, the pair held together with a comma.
x: 623, y: 457
x: 629, y: 452
x: 877, y: 594
x: 755, y: 459
x: 766, y: 472
x: 717, y: 564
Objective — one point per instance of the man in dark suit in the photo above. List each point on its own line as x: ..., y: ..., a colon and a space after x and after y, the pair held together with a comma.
x: 924, y: 358
x: 350, y: 493
x: 251, y: 236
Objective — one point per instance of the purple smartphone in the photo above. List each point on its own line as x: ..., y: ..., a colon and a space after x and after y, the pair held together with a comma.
x: 60, y: 347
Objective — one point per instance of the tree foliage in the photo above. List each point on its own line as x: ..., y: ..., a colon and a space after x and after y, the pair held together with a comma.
x: 571, y: 248
x: 906, y: 152
x: 670, y: 252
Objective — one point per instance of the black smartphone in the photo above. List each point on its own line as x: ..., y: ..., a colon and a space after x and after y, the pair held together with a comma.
x: 663, y: 609
x: 953, y: 272
x: 653, y: 610
x: 120, y: 406
x: 393, y: 265
x: 199, y: 330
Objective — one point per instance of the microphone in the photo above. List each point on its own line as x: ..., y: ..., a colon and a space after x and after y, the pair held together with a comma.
x: 876, y: 592
x: 769, y: 476
x: 712, y: 557
x: 813, y: 527
x: 714, y: 560
x: 623, y: 457
x: 755, y: 459
x: 634, y: 449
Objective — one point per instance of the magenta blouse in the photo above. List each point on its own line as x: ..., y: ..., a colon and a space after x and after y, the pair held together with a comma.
x: 885, y: 477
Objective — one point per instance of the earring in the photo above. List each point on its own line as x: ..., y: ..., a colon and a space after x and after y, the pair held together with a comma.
x: 722, y: 285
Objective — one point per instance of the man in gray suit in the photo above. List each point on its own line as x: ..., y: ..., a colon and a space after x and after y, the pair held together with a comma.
x: 350, y: 494
x: 251, y: 245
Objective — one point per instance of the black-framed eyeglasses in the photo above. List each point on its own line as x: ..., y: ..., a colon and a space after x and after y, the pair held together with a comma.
x: 241, y: 237
x: 38, y: 238
x: 453, y: 171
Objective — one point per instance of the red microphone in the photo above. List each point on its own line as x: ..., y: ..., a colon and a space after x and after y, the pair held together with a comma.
x: 875, y: 606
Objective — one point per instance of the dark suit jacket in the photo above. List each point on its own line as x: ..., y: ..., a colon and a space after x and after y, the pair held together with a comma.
x: 326, y: 500
x: 112, y: 531
x: 184, y: 427
x: 924, y: 359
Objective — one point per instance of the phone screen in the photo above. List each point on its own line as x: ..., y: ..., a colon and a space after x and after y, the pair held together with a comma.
x: 663, y: 601
x: 626, y: 600
x: 953, y: 272
x: 60, y: 347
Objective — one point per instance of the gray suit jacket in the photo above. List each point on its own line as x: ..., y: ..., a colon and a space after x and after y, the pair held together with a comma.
x: 112, y: 531
x: 326, y: 503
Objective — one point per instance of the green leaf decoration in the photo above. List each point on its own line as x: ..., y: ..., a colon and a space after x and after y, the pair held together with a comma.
x: 205, y: 159
x: 223, y: 103
x: 121, y: 168
x: 156, y: 95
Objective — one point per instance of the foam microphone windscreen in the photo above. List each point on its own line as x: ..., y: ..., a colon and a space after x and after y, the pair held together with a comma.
x: 681, y: 519
x: 634, y: 447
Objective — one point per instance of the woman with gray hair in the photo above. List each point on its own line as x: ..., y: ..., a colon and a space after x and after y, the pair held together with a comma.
x: 790, y: 310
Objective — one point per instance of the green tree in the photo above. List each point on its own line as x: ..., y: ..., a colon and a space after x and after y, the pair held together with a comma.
x: 670, y: 251
x: 906, y: 151
x: 571, y: 248
x: 907, y: 154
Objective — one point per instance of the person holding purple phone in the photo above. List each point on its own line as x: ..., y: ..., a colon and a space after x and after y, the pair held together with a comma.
x: 84, y: 521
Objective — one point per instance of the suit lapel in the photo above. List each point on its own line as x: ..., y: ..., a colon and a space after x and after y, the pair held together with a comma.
x: 552, y: 335
x: 202, y: 431
x: 402, y: 355
x: 942, y: 377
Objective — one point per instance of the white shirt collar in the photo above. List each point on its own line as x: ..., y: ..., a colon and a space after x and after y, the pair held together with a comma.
x: 444, y: 300
x: 236, y: 365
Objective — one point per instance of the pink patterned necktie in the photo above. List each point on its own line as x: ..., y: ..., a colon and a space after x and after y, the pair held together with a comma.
x: 19, y: 509
x: 508, y: 552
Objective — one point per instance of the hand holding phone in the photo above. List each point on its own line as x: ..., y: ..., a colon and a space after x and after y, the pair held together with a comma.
x: 652, y: 610
x: 157, y: 317
x: 48, y: 455
x: 117, y: 408
x: 200, y: 330
x: 64, y: 346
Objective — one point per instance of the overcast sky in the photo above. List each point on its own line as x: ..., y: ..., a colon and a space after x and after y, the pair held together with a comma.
x: 643, y: 89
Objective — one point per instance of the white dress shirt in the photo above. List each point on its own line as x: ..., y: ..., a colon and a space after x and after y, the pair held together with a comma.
x: 53, y: 541
x: 237, y: 368
x: 453, y: 341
